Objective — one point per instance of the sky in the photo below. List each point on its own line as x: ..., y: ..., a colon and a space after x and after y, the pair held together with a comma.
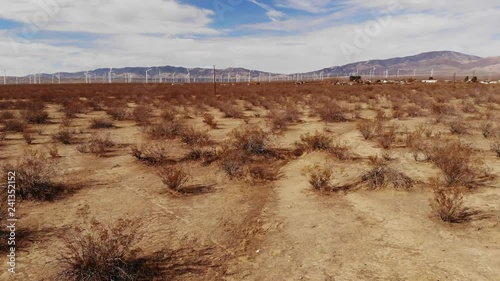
x: 285, y: 36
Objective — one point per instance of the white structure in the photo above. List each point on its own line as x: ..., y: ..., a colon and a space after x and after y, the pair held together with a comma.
x: 147, y: 74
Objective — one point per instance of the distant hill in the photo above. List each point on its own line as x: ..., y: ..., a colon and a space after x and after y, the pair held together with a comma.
x: 441, y: 63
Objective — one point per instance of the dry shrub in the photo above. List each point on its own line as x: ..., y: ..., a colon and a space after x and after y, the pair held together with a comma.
x: 209, y: 119
x: 495, y: 147
x: 142, y: 114
x: 72, y: 107
x: 34, y: 176
x: 100, y: 123
x: 458, y: 127
x: 6, y: 115
x: 14, y: 125
x: 231, y: 111
x: 264, y: 172
x: 28, y: 137
x: 118, y: 113
x: 53, y: 150
x: 387, y: 137
x: 3, y: 136
x: 152, y: 153
x: 173, y: 177
x: 468, y: 107
x: 319, y: 141
x: 320, y: 177
x: 332, y: 112
x: 250, y: 139
x: 207, y: 155
x: 64, y: 135
x: 100, y: 252
x: 340, y: 151
x: 233, y: 162
x: 169, y: 114
x: 449, y: 206
x: 191, y: 136
x: 457, y: 161
x: 165, y: 130
x: 414, y: 111
x: 381, y: 176
x: 369, y: 128
x: 278, y: 121
x: 98, y: 144
x: 443, y: 109
x: 38, y: 116
x: 488, y: 130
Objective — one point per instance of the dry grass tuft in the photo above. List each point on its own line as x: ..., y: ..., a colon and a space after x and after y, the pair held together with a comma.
x: 448, y: 204
x: 173, y: 177
x: 381, y: 176
x: 100, y: 252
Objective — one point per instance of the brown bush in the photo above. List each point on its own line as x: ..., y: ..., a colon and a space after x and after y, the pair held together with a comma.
x: 369, y: 128
x: 443, y: 109
x: 119, y: 113
x: 320, y: 177
x: 142, y: 114
x: 319, y: 141
x: 6, y: 115
x: 34, y: 176
x: 165, y: 130
x: 191, y: 136
x: 100, y: 123
x: 209, y: 119
x: 233, y: 162
x: 64, y: 135
x: 381, y: 176
x: 99, y: 252
x: 250, y: 139
x: 458, y: 127
x: 231, y: 111
x: 332, y: 112
x: 28, y: 137
x: 98, y: 144
x: 152, y: 153
x: 495, y: 147
x: 449, y: 206
x: 387, y: 137
x: 488, y: 130
x: 458, y: 164
x: 39, y: 116
x: 14, y: 125
x: 264, y: 172
x: 173, y: 177
x: 340, y: 151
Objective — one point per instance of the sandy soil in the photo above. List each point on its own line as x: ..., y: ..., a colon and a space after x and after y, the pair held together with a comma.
x: 280, y: 230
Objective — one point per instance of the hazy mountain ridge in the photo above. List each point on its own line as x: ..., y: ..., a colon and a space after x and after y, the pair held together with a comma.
x: 440, y: 62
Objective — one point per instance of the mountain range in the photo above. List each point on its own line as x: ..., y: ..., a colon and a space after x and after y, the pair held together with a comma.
x: 440, y: 63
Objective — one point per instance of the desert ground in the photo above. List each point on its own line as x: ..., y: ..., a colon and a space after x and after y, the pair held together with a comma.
x: 272, y: 181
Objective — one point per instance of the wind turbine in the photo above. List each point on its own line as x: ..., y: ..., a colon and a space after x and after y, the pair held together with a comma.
x: 159, y: 75
x: 59, y: 77
x: 147, y: 74
x: 173, y: 77
x: 4, y: 77
x: 321, y: 76
x: 188, y: 77
x: 249, y: 76
x: 110, y: 76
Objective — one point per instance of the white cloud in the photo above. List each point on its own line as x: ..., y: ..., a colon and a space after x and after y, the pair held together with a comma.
x: 460, y: 29
x: 110, y: 16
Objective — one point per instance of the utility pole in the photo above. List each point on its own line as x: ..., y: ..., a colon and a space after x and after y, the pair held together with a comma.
x: 215, y: 84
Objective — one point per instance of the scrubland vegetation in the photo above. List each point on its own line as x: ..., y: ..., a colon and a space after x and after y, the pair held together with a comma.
x: 225, y: 158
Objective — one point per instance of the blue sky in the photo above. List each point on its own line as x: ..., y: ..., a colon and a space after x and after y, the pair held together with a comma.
x: 272, y: 35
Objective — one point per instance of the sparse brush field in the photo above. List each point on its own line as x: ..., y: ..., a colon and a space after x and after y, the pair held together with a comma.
x: 257, y: 182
